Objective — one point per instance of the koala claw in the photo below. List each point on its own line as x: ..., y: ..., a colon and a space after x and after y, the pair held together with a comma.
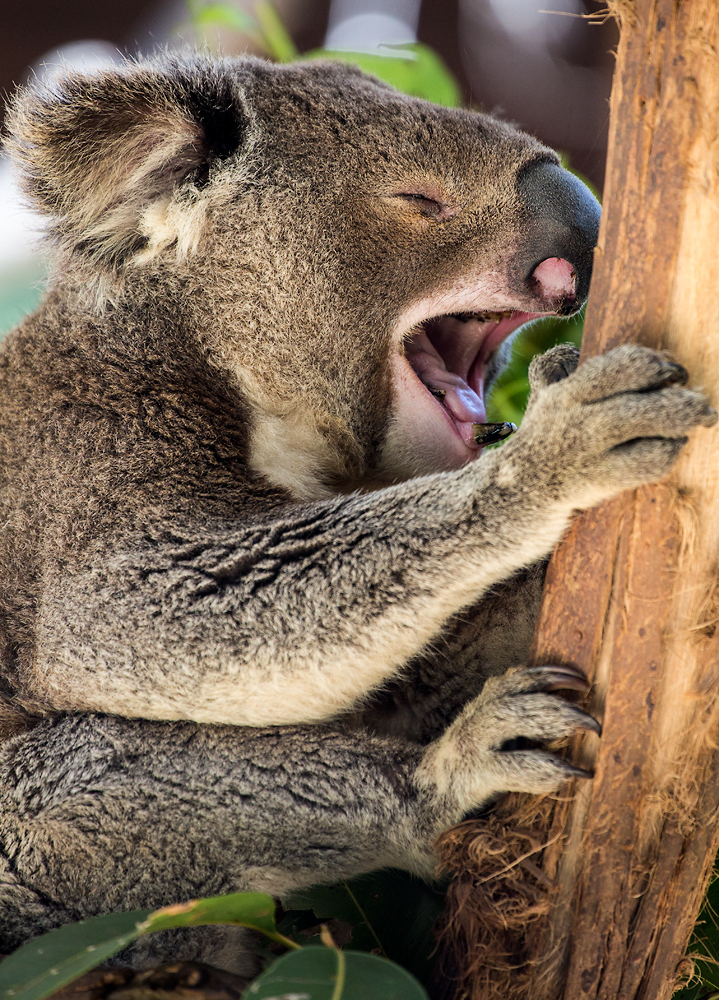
x: 559, y: 678
x: 580, y: 772
x: 676, y: 374
x: 498, y: 743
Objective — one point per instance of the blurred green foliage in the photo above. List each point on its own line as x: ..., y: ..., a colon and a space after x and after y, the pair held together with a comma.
x: 511, y: 390
x: 414, y: 69
x: 21, y: 288
x: 705, y: 943
x: 389, y: 912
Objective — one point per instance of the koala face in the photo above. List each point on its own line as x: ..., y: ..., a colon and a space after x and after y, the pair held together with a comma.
x: 431, y: 226
x: 354, y: 259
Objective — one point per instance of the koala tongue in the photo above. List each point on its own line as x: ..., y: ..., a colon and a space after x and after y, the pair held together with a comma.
x: 464, y: 404
x: 466, y: 408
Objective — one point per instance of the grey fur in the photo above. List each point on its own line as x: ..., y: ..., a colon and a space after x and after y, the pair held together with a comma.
x: 216, y: 508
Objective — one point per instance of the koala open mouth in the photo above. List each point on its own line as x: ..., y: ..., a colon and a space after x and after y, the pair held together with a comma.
x: 448, y: 351
x: 452, y: 355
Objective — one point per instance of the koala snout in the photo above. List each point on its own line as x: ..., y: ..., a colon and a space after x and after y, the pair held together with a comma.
x: 562, y: 225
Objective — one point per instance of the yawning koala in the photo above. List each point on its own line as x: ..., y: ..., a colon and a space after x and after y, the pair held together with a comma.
x: 246, y: 500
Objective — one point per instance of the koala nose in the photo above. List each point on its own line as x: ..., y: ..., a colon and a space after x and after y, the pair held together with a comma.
x: 562, y: 228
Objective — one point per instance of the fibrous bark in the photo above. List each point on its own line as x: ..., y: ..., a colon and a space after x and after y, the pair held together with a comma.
x: 632, y: 595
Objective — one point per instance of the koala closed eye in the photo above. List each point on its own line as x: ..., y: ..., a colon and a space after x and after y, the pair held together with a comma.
x: 429, y: 208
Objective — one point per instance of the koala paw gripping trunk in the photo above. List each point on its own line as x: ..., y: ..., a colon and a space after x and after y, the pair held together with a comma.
x: 247, y: 490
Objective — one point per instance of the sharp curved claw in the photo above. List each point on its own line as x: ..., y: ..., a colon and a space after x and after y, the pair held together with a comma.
x: 590, y: 723
x: 555, y: 678
x: 578, y: 772
x: 677, y: 375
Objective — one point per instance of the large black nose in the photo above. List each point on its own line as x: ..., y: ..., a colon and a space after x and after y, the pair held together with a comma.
x: 562, y: 222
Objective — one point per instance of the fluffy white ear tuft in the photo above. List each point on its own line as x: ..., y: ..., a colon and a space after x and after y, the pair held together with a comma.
x: 103, y: 155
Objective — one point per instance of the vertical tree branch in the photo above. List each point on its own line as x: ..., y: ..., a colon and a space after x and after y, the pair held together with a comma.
x: 640, y: 849
x: 632, y: 594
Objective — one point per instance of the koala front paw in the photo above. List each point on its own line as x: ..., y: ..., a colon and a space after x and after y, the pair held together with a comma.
x: 497, y: 743
x: 615, y: 423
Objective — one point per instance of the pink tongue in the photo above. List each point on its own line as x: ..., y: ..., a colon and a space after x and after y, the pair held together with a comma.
x: 465, y: 406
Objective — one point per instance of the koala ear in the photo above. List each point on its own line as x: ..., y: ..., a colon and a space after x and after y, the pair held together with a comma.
x: 103, y: 155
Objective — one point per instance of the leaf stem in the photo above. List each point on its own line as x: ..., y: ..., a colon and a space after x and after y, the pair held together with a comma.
x: 281, y: 939
x: 341, y: 972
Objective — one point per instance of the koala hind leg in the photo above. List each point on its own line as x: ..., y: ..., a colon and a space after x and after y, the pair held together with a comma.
x: 101, y: 813
x: 496, y: 743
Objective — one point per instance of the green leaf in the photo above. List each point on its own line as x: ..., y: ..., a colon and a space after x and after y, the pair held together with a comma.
x: 414, y: 69
x: 53, y: 960
x: 275, y: 36
x: 223, y: 15
x: 328, y: 974
x: 244, y: 909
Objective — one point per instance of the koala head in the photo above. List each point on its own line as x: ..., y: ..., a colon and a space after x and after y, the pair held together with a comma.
x: 351, y: 258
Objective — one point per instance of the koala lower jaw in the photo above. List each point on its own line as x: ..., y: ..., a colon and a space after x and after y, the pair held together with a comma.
x: 449, y: 355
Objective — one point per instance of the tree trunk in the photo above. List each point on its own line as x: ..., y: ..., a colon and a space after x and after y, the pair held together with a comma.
x: 617, y: 872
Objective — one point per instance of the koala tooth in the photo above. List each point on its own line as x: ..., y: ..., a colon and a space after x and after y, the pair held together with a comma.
x: 489, y: 433
x: 480, y: 317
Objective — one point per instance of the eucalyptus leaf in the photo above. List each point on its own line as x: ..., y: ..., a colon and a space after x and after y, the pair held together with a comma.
x: 328, y: 974
x: 53, y: 960
x: 223, y: 15
x: 414, y: 69
x: 244, y: 909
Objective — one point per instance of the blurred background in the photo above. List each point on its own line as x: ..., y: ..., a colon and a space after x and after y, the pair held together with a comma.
x: 544, y: 64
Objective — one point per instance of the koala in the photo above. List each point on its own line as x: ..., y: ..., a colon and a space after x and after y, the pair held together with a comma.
x: 266, y: 595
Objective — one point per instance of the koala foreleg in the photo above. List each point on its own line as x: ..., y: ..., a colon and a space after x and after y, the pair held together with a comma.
x: 298, y: 615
